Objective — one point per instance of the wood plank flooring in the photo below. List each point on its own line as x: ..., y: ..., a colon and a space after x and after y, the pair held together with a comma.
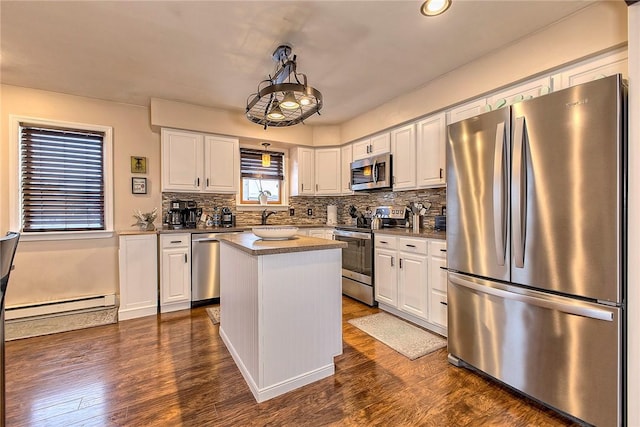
x: 174, y: 370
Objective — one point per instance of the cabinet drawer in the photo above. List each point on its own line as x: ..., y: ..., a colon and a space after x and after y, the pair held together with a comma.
x: 386, y: 241
x: 438, y: 248
x: 438, y: 308
x: 416, y: 246
x: 175, y: 240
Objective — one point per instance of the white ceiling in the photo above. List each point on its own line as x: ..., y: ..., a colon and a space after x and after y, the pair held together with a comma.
x: 359, y: 54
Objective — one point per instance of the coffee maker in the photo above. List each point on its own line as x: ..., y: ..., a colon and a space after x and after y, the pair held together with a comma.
x: 183, y: 214
x: 191, y: 214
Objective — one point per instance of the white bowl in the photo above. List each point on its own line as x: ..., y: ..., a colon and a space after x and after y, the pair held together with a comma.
x: 274, y: 232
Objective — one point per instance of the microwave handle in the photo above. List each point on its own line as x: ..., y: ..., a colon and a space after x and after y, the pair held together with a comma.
x: 375, y: 171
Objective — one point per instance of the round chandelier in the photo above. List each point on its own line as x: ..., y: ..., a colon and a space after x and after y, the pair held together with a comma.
x: 284, y: 99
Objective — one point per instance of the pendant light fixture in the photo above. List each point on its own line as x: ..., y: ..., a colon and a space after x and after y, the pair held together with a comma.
x: 284, y: 99
x: 434, y: 7
x: 266, y: 157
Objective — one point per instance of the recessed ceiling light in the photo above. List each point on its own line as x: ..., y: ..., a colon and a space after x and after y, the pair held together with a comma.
x: 434, y: 7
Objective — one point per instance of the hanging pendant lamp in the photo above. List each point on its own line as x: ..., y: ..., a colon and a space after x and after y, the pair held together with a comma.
x: 266, y: 157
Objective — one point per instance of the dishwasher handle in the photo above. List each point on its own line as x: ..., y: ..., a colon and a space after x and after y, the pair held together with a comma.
x: 214, y: 239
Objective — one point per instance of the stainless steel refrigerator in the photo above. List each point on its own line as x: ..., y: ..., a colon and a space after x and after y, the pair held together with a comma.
x: 536, y: 247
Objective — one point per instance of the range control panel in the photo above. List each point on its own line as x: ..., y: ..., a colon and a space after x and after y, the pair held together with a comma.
x: 392, y: 212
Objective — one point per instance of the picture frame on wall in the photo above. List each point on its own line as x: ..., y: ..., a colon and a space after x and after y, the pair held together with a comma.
x: 138, y: 185
x: 138, y: 164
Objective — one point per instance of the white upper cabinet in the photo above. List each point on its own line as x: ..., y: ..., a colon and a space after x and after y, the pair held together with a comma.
x: 194, y: 162
x: 595, y: 68
x: 467, y: 110
x: 369, y: 147
x: 302, y: 177
x: 181, y: 160
x: 514, y: 94
x: 346, y: 157
x: 222, y: 164
x: 403, y: 149
x: 327, y: 171
x: 431, y: 142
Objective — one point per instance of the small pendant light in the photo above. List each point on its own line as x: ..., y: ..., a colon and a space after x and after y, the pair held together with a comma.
x: 266, y: 157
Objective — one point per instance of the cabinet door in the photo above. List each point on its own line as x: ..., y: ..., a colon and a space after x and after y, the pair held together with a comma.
x: 403, y: 149
x: 327, y: 171
x: 361, y: 149
x: 386, y: 282
x: 221, y: 165
x: 514, y: 94
x: 175, y: 289
x: 181, y: 161
x: 380, y: 144
x: 413, y: 289
x: 467, y: 110
x: 346, y: 157
x: 138, y: 265
x: 438, y: 283
x: 430, y: 149
x: 601, y: 66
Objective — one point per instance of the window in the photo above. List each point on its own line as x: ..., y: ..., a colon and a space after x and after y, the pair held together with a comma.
x: 257, y: 178
x: 63, y: 179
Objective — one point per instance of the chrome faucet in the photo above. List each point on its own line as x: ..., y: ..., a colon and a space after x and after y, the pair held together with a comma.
x: 266, y: 215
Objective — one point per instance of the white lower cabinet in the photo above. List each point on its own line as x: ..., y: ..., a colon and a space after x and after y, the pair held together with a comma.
x: 403, y: 280
x: 438, y: 283
x: 175, y: 272
x: 138, y: 265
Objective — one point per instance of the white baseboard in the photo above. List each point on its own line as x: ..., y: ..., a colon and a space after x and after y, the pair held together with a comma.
x: 57, y: 307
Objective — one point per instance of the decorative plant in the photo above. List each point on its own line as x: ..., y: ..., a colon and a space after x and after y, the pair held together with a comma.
x: 145, y: 220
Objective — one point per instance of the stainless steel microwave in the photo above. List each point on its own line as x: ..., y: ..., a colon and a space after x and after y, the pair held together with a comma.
x: 373, y: 173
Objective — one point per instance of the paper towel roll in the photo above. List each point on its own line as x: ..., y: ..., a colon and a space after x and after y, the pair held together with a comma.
x: 332, y: 214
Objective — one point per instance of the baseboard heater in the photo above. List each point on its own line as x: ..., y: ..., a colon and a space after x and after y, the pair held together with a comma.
x: 57, y: 307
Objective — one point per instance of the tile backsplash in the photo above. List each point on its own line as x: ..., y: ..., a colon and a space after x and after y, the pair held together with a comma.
x: 318, y: 205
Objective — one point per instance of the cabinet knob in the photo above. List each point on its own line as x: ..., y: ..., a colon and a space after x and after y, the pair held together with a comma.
x: 443, y: 303
x: 400, y: 262
x: 392, y: 261
x: 441, y: 171
x: 185, y: 258
x: 316, y: 187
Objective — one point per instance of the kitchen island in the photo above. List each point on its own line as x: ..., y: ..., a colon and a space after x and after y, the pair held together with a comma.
x: 281, y: 309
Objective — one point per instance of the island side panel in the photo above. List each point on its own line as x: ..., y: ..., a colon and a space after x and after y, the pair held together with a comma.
x: 301, y: 315
x: 239, y: 310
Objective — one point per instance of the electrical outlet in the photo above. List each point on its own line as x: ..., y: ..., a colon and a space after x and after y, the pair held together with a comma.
x: 309, y: 212
x: 292, y: 212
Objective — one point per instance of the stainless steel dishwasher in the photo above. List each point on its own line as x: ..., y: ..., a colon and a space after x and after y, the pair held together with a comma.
x: 205, y: 269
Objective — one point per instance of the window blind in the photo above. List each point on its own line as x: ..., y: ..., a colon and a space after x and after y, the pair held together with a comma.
x: 251, y: 164
x: 62, y: 179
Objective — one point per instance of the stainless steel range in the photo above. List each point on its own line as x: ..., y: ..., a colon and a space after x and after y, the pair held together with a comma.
x: 357, y: 263
x: 357, y: 257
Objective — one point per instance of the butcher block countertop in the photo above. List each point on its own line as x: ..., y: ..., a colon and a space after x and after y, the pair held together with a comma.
x: 252, y: 244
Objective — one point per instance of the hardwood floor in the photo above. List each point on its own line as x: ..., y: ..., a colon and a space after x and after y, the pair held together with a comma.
x: 174, y: 370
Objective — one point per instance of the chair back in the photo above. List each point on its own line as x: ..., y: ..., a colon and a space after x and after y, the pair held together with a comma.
x: 8, y: 245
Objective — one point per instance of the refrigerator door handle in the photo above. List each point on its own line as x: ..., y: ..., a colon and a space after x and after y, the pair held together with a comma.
x: 518, y: 190
x: 498, y: 195
x: 578, y: 310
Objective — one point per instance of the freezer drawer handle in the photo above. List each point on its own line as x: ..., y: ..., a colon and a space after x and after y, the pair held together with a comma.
x: 518, y: 190
x: 499, y: 184
x: 593, y: 313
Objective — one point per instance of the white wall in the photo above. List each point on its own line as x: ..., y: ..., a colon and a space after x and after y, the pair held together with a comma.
x: 49, y: 271
x: 633, y: 309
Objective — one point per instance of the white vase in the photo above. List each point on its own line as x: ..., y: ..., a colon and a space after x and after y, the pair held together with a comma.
x: 263, y: 198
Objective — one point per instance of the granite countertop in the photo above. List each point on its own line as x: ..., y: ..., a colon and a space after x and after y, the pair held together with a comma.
x: 408, y: 232
x: 237, y: 229
x: 252, y: 244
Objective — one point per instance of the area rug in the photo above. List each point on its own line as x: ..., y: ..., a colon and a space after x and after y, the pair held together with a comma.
x: 63, y: 322
x: 406, y: 339
x: 214, y: 314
